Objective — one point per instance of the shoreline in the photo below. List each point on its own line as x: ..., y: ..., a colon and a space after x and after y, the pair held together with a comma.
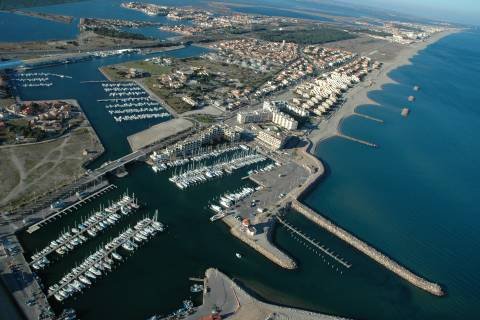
x: 358, y: 95
x: 331, y: 128
x: 233, y: 302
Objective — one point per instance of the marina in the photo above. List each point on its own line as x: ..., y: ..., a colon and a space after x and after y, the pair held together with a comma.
x: 227, y: 201
x: 102, y: 260
x: 351, y: 195
x: 295, y: 231
x: 76, y: 236
x: 132, y: 102
x: 35, y: 79
x: 69, y: 209
x: 199, y: 173
x: 161, y: 161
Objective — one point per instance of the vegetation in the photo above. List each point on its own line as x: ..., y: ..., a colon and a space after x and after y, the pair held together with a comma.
x: 17, y: 4
x: 204, y: 118
x: 407, y: 27
x: 44, y: 167
x: 376, y: 33
x: 21, y: 127
x: 241, y: 30
x: 306, y: 36
x: 108, y: 32
x: 220, y: 79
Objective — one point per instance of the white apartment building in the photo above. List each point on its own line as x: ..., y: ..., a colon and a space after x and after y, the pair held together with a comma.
x: 284, y: 120
x: 273, y: 140
x: 254, y: 116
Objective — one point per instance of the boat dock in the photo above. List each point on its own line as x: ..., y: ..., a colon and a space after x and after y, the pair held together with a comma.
x: 367, y: 143
x: 104, y: 253
x: 368, y: 117
x: 196, y: 279
x: 114, y: 208
x: 69, y: 209
x: 314, y: 243
x: 94, y: 81
x: 368, y: 250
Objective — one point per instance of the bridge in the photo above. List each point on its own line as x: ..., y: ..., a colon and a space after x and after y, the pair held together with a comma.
x: 138, y: 155
x: 94, y: 176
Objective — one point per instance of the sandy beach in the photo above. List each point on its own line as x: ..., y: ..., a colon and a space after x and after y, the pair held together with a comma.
x: 358, y: 95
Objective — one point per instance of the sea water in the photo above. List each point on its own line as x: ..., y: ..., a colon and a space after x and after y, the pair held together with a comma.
x: 413, y: 198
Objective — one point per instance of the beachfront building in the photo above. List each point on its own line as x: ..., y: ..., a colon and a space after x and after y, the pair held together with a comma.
x: 284, y: 120
x: 256, y: 116
x: 282, y: 105
x: 211, y: 135
x: 272, y: 140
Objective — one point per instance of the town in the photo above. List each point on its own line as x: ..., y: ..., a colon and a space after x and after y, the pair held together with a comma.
x: 223, y: 117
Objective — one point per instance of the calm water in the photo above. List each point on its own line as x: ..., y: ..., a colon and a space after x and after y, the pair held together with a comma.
x: 18, y: 28
x: 112, y: 134
x: 413, y: 198
x: 278, y: 12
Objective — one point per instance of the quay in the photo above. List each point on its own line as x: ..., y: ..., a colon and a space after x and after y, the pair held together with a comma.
x: 129, y: 234
x: 20, y: 281
x: 224, y: 297
x: 368, y: 117
x: 370, y: 144
x: 196, y: 279
x: 70, y: 208
x: 317, y: 172
x: 297, y: 232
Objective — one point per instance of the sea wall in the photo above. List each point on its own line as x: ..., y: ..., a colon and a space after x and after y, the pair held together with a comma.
x: 349, y: 238
x: 263, y: 245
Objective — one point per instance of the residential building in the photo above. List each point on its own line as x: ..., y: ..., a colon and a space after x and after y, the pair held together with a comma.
x: 254, y: 116
x: 273, y: 140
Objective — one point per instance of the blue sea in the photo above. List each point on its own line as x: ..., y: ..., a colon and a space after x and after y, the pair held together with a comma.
x: 416, y: 196
x: 413, y: 198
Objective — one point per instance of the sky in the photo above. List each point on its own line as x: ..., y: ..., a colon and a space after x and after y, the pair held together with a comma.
x: 461, y: 11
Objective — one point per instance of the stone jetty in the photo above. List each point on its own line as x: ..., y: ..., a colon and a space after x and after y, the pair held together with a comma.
x: 317, y: 171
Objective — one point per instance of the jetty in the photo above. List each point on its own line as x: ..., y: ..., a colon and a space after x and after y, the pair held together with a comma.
x: 96, y: 222
x: 151, y: 226
x: 229, y: 300
x: 360, y: 245
x: 314, y: 243
x: 362, y: 115
x: 36, y: 226
x: 369, y: 144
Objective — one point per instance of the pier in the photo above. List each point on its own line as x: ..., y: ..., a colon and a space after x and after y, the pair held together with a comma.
x: 368, y: 250
x: 104, y: 253
x: 369, y: 144
x: 382, y: 259
x: 314, y: 243
x: 70, y: 208
x: 61, y: 243
x: 368, y: 117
